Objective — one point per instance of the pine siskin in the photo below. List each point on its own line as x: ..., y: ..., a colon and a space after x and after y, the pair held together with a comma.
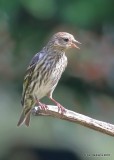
x: 44, y: 72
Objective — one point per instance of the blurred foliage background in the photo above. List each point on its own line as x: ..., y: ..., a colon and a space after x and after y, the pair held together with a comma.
x: 87, y: 85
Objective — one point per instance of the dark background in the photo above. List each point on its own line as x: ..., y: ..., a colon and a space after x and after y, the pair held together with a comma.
x: 87, y: 85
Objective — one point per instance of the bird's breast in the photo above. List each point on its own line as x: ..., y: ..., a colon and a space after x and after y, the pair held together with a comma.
x: 49, y: 75
x: 57, y: 69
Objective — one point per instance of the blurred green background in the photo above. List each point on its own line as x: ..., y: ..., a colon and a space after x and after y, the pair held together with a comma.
x: 87, y: 85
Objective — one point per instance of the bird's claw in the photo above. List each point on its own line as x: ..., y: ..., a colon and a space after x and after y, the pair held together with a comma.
x: 61, y: 109
x: 43, y: 106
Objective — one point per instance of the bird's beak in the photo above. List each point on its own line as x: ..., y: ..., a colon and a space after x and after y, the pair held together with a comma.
x: 74, y: 44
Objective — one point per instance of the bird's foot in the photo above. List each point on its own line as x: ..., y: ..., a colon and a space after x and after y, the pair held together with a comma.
x: 61, y: 108
x: 43, y: 106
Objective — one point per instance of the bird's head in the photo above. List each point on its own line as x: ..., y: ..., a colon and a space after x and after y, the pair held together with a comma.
x: 64, y: 41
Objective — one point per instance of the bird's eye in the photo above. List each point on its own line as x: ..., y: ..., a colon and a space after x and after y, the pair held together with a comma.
x: 66, y: 39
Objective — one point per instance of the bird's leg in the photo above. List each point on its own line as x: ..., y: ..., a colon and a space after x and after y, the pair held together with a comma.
x: 43, y: 106
x: 60, y: 107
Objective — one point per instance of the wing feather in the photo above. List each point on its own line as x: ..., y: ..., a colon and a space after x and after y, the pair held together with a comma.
x: 29, y: 73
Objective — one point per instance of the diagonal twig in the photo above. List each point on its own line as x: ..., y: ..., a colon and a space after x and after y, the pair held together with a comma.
x: 75, y: 117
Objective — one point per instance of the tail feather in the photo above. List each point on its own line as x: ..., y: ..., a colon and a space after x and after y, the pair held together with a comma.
x: 24, y: 118
x: 27, y: 120
x: 27, y: 104
x: 21, y: 119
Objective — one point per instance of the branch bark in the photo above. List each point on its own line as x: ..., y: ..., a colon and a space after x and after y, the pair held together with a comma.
x: 75, y: 117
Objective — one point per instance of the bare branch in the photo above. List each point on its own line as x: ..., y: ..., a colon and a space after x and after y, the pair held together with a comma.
x: 71, y: 116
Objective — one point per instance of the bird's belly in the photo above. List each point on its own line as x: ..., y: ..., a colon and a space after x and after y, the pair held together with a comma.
x: 42, y: 91
x: 46, y: 86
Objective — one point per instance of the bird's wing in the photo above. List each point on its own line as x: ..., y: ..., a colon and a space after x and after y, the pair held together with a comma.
x: 29, y: 73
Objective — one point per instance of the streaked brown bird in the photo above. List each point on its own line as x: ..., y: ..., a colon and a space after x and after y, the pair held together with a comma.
x: 44, y: 72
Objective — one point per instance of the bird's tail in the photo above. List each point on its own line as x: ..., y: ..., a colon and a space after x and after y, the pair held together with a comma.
x: 24, y: 118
